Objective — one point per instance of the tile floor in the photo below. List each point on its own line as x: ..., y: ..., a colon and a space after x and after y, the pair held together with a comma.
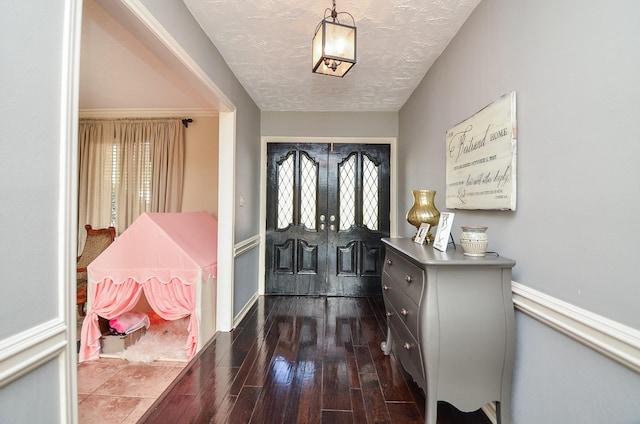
x: 114, y: 391
x: 119, y: 392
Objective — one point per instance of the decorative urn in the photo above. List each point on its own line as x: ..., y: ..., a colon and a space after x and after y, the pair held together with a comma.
x: 474, y: 241
x: 424, y: 211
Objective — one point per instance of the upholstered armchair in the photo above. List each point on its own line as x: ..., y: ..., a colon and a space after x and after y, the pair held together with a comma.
x: 97, y: 241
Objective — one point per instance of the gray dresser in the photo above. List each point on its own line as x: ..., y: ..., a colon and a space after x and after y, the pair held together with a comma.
x: 451, y: 323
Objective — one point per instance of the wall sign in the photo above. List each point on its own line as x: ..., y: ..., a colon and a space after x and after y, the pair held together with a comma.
x: 481, y: 158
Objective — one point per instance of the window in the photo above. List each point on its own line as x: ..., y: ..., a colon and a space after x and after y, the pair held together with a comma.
x: 139, y: 160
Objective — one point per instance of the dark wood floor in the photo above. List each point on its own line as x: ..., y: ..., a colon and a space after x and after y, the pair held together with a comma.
x: 300, y: 360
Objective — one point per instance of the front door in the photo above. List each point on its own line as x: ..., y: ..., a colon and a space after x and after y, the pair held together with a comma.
x: 327, y: 209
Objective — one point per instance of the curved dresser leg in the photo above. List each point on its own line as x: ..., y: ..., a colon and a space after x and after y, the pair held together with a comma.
x: 431, y: 411
x: 503, y: 412
x: 387, y: 345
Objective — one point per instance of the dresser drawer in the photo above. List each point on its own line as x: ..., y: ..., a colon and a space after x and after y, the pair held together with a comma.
x: 405, y: 308
x: 406, y: 349
x: 408, y: 276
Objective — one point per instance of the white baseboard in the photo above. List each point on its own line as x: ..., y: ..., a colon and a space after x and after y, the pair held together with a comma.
x: 490, y: 411
x: 244, y: 310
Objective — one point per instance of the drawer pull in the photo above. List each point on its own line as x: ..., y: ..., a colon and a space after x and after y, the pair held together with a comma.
x: 407, y: 346
x: 389, y: 262
x: 388, y: 314
x: 404, y: 312
x: 385, y: 287
x: 408, y: 279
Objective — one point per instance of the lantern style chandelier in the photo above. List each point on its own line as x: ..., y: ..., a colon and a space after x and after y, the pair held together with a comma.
x: 334, y: 44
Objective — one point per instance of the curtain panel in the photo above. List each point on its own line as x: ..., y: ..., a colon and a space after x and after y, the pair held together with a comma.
x: 126, y: 167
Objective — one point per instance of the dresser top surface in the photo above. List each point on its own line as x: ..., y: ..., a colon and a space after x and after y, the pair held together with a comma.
x: 427, y: 255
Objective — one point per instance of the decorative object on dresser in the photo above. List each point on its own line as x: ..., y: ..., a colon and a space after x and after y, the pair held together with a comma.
x: 424, y: 210
x: 451, y: 324
x: 443, y: 232
x: 421, y: 235
x: 474, y: 241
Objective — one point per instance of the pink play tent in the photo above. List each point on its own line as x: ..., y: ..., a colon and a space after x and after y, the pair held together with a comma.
x: 172, y: 259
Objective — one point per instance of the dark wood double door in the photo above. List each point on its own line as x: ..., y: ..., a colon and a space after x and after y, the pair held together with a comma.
x: 327, y: 209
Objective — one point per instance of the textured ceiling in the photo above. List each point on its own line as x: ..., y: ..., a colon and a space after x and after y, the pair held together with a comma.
x: 267, y: 45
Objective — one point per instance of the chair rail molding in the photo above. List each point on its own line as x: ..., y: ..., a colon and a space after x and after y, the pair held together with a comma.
x: 23, y: 352
x: 612, y: 339
x: 246, y: 245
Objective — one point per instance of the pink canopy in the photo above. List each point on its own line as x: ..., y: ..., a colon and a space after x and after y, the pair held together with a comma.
x: 166, y: 255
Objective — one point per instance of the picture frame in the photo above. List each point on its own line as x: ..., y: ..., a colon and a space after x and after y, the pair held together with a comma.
x: 444, y: 230
x: 421, y: 235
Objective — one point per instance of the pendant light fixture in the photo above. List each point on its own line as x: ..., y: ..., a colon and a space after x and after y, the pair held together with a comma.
x: 334, y: 44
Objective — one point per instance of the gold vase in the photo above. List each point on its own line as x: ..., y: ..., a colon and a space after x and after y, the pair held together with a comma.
x: 424, y: 211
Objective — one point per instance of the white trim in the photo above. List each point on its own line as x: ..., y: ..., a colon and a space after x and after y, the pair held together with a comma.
x: 327, y: 140
x: 491, y: 412
x: 226, y: 220
x: 25, y: 351
x: 393, y: 183
x: 243, y: 312
x: 263, y: 215
x: 393, y: 189
x: 246, y: 245
x: 614, y: 340
x: 57, y: 338
x: 145, y: 113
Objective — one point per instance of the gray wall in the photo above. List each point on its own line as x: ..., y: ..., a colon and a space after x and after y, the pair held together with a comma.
x: 245, y: 277
x: 179, y: 22
x: 329, y: 124
x: 29, y: 175
x: 32, y: 112
x: 575, y: 67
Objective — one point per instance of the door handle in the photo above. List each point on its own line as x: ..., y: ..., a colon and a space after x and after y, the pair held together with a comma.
x: 332, y: 218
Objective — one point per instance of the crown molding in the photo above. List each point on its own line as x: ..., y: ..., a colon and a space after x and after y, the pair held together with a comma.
x: 145, y: 113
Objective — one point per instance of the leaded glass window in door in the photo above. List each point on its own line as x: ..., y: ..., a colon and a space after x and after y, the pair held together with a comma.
x: 370, y: 192
x: 285, y: 191
x: 308, y: 191
x: 347, y: 183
